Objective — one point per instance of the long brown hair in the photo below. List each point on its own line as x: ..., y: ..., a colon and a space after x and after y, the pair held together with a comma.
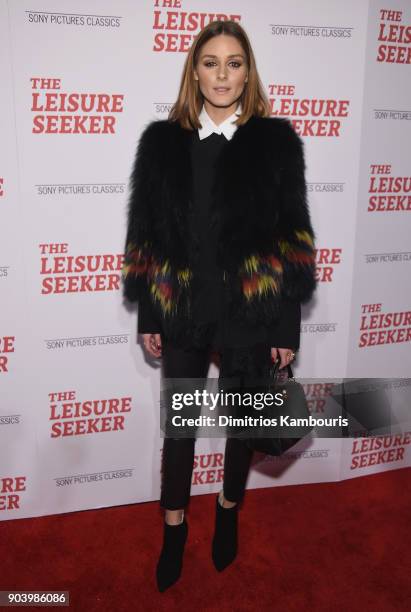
x: 189, y: 102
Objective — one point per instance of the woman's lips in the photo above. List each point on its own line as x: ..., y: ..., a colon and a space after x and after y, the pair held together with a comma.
x: 221, y: 90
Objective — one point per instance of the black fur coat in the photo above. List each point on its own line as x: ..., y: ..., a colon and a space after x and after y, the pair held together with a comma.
x: 266, y: 240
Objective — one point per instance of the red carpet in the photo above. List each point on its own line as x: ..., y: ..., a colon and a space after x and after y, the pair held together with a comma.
x: 338, y: 546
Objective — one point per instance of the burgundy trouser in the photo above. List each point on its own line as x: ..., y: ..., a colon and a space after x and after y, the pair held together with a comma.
x: 178, y: 453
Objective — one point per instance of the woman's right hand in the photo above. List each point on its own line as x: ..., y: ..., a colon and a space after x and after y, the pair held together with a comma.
x: 152, y: 344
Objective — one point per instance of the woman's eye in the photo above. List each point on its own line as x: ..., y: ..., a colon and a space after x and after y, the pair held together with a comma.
x: 233, y: 64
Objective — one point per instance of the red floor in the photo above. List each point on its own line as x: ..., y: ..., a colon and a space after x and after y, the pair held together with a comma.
x: 322, y: 547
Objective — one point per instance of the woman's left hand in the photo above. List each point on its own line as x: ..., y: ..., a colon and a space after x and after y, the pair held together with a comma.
x: 286, y: 356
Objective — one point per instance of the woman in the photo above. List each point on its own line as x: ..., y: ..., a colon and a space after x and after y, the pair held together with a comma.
x: 219, y: 254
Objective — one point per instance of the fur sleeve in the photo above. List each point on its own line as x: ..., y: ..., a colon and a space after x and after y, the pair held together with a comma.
x: 137, y: 252
x: 296, y: 236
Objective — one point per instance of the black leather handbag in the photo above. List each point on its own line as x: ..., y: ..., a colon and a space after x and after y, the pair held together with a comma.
x: 277, y: 440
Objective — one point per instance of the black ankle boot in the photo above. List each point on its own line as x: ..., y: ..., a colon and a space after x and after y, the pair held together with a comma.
x: 170, y: 563
x: 224, y: 548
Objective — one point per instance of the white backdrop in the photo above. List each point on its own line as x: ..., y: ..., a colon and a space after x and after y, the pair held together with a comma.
x: 66, y: 337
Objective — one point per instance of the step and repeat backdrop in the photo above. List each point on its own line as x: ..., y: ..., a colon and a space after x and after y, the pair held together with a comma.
x: 79, y: 417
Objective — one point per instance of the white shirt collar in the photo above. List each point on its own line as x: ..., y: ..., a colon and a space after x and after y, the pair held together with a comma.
x: 209, y: 127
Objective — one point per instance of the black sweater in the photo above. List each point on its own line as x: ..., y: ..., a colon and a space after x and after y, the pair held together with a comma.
x: 209, y: 296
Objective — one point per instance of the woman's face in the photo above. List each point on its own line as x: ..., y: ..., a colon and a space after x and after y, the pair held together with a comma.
x: 221, y: 70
